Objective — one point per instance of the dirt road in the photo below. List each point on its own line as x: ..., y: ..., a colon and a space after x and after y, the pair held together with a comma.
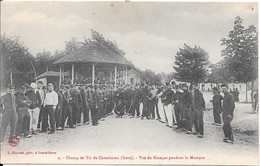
x: 136, y: 140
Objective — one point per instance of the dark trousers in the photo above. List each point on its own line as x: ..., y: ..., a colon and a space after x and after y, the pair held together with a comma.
x: 198, y: 120
x: 48, y: 112
x: 128, y: 105
x: 8, y: 117
x: 23, y: 123
x: 86, y: 114
x: 152, y: 104
x: 41, y: 118
x: 216, y: 115
x: 227, y: 128
x: 188, y: 119
x: 75, y: 113
x: 135, y: 108
x: 81, y: 110
x: 102, y: 109
x: 94, y: 115
x: 146, y: 110
x: 177, y: 109
x: 67, y: 115
x: 58, y: 117
x: 109, y: 107
x: 157, y: 108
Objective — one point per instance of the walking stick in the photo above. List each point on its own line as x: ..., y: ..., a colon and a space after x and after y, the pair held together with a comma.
x: 130, y: 107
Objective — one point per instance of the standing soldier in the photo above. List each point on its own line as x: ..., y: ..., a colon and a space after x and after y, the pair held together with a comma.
x: 59, y: 109
x: 187, y: 108
x: 83, y: 106
x: 174, y: 122
x: 50, y: 104
x: 93, y: 104
x: 217, y: 108
x: 99, y: 95
x: 228, y: 113
x: 256, y: 101
x: 87, y: 107
x: 103, y: 103
x: 153, y: 100
x: 177, y: 97
x: 107, y: 101
x: 34, y: 108
x: 23, y: 103
x: 9, y: 114
x: 77, y: 100
x: 67, y: 109
x: 136, y: 99
x: 159, y: 90
x: 146, y: 97
x: 199, y: 106
x: 167, y: 99
x: 128, y: 95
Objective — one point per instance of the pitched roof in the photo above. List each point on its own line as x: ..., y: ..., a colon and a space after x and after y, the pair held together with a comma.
x: 94, y: 52
x: 51, y: 74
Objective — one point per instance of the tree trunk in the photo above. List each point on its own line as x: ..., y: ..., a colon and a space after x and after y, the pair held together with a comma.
x: 11, y: 76
x: 246, y: 94
x: 252, y: 94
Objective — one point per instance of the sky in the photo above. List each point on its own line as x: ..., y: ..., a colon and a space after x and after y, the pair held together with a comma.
x: 150, y: 33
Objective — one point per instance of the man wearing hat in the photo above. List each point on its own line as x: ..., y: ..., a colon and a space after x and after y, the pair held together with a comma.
x: 199, y: 106
x: 228, y: 114
x: 67, y: 109
x: 186, y: 105
x: 23, y: 103
x: 50, y: 104
x: 217, y: 106
x: 34, y: 108
x: 76, y: 104
x: 9, y: 114
x: 177, y: 106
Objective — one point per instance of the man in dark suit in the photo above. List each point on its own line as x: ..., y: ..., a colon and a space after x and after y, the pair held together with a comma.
x: 187, y: 103
x: 199, y: 107
x: 77, y: 101
x: 228, y: 114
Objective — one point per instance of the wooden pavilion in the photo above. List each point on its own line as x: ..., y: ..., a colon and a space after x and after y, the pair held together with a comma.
x: 92, y: 63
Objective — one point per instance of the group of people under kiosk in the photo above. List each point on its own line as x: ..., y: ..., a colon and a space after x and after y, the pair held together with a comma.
x: 37, y: 109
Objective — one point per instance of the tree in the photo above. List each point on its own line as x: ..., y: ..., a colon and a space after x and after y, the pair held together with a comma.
x: 43, y: 60
x: 219, y: 74
x: 109, y: 44
x: 72, y: 45
x: 16, y: 62
x: 241, y: 52
x: 191, y: 64
x: 150, y: 77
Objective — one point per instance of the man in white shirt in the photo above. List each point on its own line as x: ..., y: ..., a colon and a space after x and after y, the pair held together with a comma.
x: 50, y: 104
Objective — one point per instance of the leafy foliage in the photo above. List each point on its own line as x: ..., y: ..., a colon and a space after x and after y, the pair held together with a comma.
x: 109, y: 44
x: 241, y: 52
x: 191, y: 64
x: 219, y: 74
x: 16, y: 59
x: 150, y: 77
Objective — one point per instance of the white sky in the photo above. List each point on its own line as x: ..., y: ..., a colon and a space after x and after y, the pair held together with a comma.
x: 149, y: 33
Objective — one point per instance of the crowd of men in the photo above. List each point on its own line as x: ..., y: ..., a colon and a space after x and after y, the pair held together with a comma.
x: 37, y: 109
